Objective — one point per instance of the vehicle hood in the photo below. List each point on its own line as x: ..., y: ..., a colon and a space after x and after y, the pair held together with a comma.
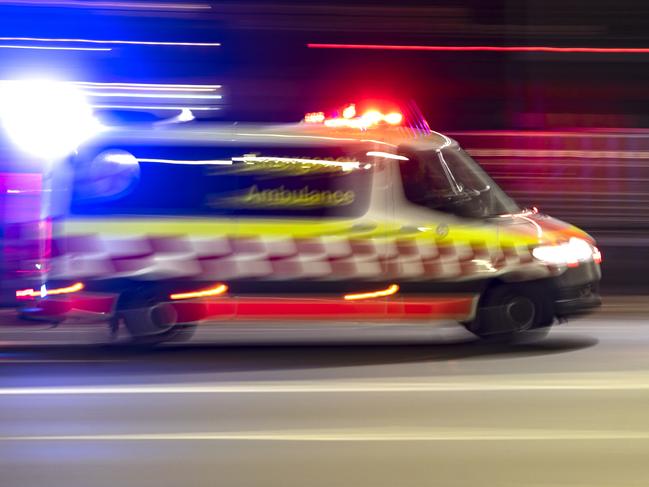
x: 540, y: 228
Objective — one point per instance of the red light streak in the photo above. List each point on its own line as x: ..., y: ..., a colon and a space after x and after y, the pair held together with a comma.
x: 263, y: 308
x: 387, y: 47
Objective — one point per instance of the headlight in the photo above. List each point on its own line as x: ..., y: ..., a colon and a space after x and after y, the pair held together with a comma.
x: 47, y: 119
x: 571, y: 253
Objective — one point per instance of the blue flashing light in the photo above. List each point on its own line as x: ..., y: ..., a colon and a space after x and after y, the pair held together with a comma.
x: 47, y: 119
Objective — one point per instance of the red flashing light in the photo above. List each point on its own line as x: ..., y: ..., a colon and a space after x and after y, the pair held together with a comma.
x: 349, y: 111
x: 393, y: 118
x: 314, y: 117
x: 350, y: 119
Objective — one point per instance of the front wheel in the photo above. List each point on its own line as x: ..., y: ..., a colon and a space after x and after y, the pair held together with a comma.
x: 514, y: 312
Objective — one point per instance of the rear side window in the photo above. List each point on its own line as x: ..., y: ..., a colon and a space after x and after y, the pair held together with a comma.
x: 191, y: 181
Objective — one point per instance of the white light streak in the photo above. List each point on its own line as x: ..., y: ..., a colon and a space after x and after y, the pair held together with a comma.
x: 317, y: 137
x: 354, y: 435
x: 387, y: 155
x: 53, y: 48
x: 576, y: 382
x: 179, y: 96
x: 116, y: 4
x: 148, y: 86
x: 214, y: 162
x: 101, y: 41
x: 153, y: 107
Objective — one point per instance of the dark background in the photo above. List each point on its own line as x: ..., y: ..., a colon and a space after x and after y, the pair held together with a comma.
x: 270, y: 74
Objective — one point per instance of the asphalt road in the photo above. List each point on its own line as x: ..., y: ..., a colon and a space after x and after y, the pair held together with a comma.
x: 572, y: 410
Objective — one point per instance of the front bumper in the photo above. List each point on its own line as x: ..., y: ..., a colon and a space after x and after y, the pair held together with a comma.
x: 577, y: 290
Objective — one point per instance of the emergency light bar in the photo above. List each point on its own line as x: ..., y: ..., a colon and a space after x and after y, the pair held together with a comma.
x: 350, y: 118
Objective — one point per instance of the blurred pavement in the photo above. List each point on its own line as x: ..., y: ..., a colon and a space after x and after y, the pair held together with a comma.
x: 568, y: 411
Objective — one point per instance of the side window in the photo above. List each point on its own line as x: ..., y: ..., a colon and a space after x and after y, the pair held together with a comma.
x: 423, y: 179
x: 267, y: 181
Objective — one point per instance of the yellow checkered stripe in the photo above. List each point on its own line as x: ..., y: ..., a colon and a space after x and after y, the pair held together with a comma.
x: 214, y: 251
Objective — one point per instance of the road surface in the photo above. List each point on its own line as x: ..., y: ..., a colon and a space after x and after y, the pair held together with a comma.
x: 572, y: 410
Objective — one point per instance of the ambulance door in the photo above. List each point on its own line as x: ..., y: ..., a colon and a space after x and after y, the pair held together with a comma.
x: 382, y: 225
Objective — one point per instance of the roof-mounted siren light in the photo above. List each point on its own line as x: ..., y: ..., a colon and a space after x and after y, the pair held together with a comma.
x: 314, y: 117
x: 351, y: 119
x: 45, y: 118
x: 349, y: 111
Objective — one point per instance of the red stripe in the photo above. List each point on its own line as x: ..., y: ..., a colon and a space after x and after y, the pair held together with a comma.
x: 387, y: 47
x: 245, y: 309
x: 250, y: 309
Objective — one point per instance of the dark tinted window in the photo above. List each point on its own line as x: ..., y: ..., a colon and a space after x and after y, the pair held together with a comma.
x: 449, y: 180
x: 304, y: 181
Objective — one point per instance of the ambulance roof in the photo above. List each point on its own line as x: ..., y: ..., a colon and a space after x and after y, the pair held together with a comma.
x: 301, y: 134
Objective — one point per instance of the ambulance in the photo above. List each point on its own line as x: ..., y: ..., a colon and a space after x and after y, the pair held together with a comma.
x: 354, y: 217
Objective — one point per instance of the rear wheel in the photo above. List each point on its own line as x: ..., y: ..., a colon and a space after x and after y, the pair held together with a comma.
x: 149, y: 320
x: 517, y: 312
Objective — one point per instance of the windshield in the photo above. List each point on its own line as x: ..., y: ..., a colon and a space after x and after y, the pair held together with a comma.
x: 450, y: 180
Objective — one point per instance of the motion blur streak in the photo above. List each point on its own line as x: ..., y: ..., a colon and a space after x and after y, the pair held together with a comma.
x: 215, y: 291
x: 61, y: 290
x: 489, y: 383
x: 51, y: 48
x: 581, y: 154
x: 113, y: 5
x: 353, y: 435
x: 214, y: 162
x: 393, y: 289
x: 387, y: 155
x: 160, y: 95
x: 619, y: 50
x: 153, y: 107
x: 146, y: 86
x: 100, y: 41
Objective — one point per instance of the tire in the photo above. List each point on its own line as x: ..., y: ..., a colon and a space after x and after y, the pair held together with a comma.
x: 147, y: 318
x: 514, y: 312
